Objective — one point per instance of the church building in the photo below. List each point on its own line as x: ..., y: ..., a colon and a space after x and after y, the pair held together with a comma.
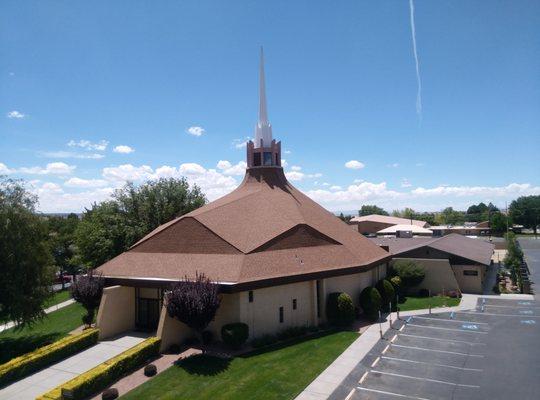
x: 274, y: 252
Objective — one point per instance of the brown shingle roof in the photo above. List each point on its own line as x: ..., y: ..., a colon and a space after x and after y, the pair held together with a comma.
x: 385, y: 219
x: 265, y: 229
x: 475, y: 250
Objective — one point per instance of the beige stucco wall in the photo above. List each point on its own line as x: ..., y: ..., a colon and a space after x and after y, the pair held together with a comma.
x: 468, y: 283
x: 352, y: 284
x: 171, y: 331
x: 262, y: 315
x: 116, y: 312
x: 439, y: 275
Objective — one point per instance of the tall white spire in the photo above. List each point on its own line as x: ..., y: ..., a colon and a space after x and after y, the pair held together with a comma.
x: 263, y: 129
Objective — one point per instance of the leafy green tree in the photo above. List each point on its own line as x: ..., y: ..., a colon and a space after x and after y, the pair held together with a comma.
x: 411, y: 273
x: 449, y: 216
x: 62, y: 243
x: 497, y: 223
x: 526, y: 211
x: 111, y: 227
x: 344, y: 218
x: 368, y: 209
x: 25, y: 261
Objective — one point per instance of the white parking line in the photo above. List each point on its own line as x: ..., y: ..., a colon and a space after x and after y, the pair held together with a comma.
x: 442, y: 340
x: 438, y: 351
x: 490, y: 305
x: 434, y: 364
x: 452, y: 320
x: 451, y: 329
x: 349, y: 396
x: 385, y: 349
x: 404, y: 396
x: 375, y: 362
x: 424, y: 379
x: 499, y: 315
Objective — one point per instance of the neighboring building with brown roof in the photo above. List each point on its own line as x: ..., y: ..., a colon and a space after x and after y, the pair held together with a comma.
x: 452, y: 262
x: 469, y: 229
x: 273, y: 251
x: 371, y: 224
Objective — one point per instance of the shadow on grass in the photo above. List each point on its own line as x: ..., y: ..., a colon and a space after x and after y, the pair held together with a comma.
x: 203, y: 364
x: 11, y: 347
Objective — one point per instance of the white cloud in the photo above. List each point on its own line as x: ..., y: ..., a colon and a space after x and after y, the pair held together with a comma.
x: 284, y: 163
x: 394, y: 165
x: 486, y: 192
x: 336, y: 187
x: 16, y: 114
x: 4, y: 170
x: 286, y: 152
x: 55, y: 168
x: 88, y: 145
x: 354, y: 164
x: 85, y: 183
x: 405, y: 183
x: 195, y: 131
x: 71, y: 154
x: 52, y: 198
x: 228, y: 169
x: 127, y: 172
x: 123, y: 149
x: 294, y: 176
x: 296, y: 168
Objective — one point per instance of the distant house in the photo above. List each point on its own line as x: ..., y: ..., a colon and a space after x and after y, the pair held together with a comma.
x: 371, y: 224
x: 468, y: 229
x: 452, y: 262
x: 405, y: 231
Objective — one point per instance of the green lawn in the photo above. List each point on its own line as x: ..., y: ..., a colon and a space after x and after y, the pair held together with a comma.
x: 15, y: 342
x: 419, y: 303
x: 278, y: 374
x: 57, y: 298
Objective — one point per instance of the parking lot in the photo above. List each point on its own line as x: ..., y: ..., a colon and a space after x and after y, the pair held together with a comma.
x: 490, y: 352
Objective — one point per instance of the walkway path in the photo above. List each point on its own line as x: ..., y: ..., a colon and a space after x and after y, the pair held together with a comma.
x: 43, y: 381
x: 332, y: 376
x: 56, y: 307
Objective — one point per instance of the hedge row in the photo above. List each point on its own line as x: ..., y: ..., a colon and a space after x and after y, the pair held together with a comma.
x: 98, y: 378
x: 26, y: 364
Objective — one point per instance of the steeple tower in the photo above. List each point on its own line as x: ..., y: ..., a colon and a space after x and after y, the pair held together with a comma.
x: 264, y: 152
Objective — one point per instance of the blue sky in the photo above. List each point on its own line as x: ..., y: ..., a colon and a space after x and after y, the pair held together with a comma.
x: 78, y: 79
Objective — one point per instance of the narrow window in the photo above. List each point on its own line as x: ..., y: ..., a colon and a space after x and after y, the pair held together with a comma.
x: 257, y: 159
x: 250, y: 296
x: 469, y: 272
x: 294, y: 304
x: 318, y: 299
x: 280, y: 315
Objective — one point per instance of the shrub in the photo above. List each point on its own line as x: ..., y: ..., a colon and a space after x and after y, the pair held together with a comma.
x: 396, y: 283
x: 94, y: 380
x: 88, y: 290
x: 235, y: 334
x: 370, y: 301
x: 292, y: 332
x: 150, y: 370
x: 410, y: 273
x: 387, y: 292
x: 26, y: 364
x: 339, y: 309
x: 207, y: 337
x: 109, y: 394
x: 265, y: 340
x: 454, y: 294
x: 423, y: 293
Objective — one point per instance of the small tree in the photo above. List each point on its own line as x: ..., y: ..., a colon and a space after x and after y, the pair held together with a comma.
x: 194, y: 303
x: 88, y: 290
x: 340, y: 309
x: 370, y: 301
x: 387, y: 292
x: 410, y: 272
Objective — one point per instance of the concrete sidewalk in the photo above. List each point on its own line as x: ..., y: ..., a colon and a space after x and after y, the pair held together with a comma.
x: 49, y: 310
x: 46, y: 379
x: 331, y: 377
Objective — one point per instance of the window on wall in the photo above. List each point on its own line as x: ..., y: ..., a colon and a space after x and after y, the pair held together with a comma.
x: 267, y: 158
x: 318, y: 299
x: 250, y: 296
x: 294, y: 304
x: 280, y: 315
x: 470, y: 272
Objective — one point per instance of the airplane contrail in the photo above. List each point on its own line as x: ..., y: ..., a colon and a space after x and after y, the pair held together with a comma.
x: 419, y: 81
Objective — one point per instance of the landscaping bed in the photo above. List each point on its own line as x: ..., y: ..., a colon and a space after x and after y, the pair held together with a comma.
x: 56, y: 325
x: 280, y: 372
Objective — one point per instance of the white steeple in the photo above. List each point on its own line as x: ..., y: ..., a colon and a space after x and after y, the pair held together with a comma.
x: 263, y: 129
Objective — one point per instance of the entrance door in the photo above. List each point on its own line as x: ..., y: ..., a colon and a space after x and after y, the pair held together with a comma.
x: 147, y: 317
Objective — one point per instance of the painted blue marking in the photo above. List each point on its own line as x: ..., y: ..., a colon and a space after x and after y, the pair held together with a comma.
x: 525, y: 312
x: 471, y: 327
x: 409, y: 319
x: 524, y: 303
x: 528, y: 321
x: 452, y: 315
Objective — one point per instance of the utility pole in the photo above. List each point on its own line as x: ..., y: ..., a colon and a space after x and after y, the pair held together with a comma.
x: 507, y: 228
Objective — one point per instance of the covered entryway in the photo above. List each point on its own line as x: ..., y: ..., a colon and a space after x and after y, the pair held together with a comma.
x: 148, y: 304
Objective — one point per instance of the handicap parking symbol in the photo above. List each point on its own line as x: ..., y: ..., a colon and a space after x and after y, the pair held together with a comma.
x: 524, y: 303
x: 471, y: 327
x: 528, y: 321
x: 525, y: 312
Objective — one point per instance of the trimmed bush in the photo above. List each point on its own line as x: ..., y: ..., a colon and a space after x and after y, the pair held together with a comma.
x: 423, y: 293
x: 150, y: 370
x: 265, y: 340
x: 411, y: 273
x: 370, y: 301
x: 207, y: 337
x: 292, y: 332
x: 339, y: 309
x: 94, y: 380
x: 235, y: 334
x: 396, y: 282
x: 387, y: 292
x: 109, y: 394
x: 26, y: 364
